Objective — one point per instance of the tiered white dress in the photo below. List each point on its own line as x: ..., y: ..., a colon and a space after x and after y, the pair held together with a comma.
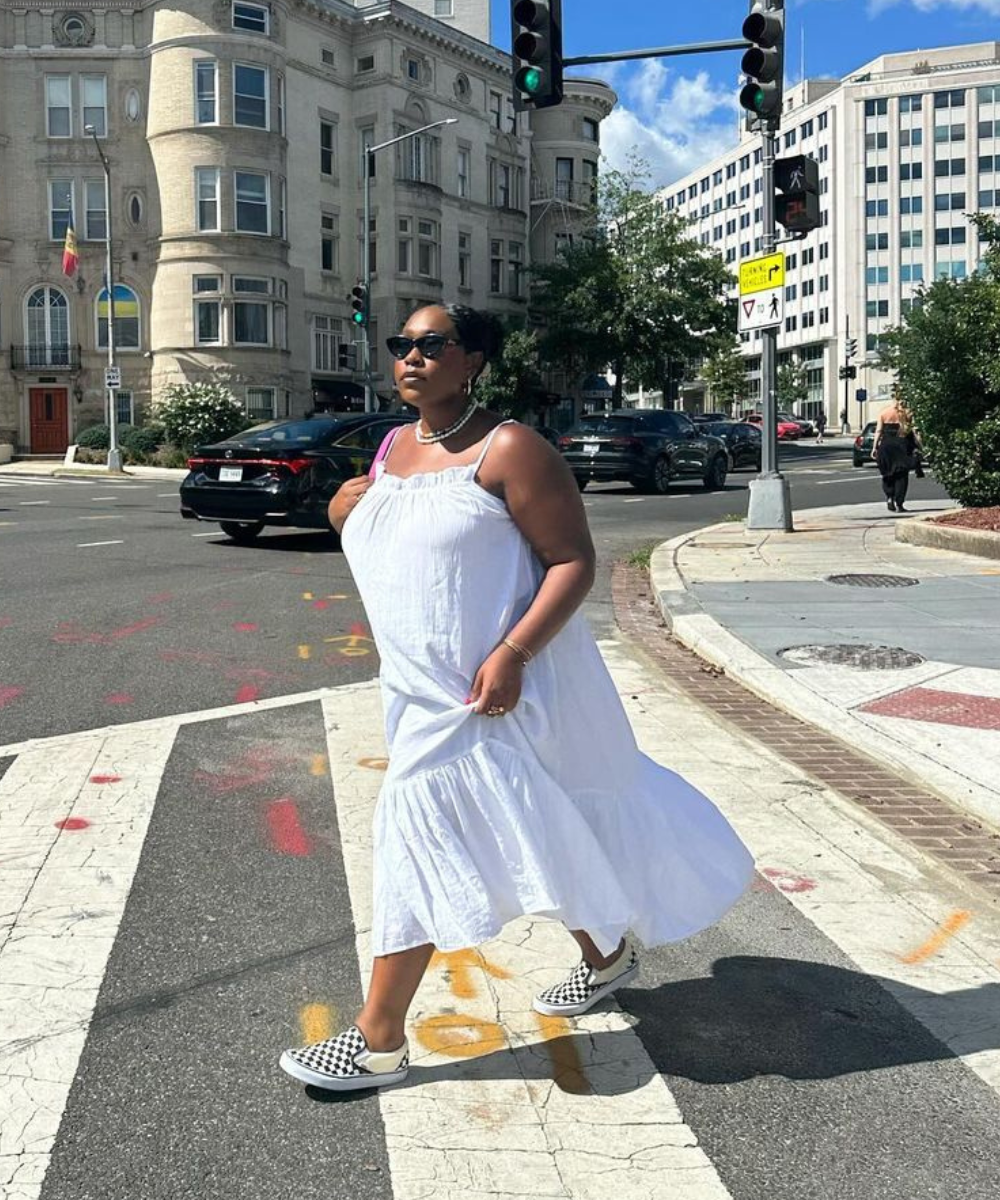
x: 551, y: 810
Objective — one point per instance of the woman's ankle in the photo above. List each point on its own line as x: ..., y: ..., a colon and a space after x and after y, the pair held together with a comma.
x: 379, y: 1034
x: 604, y: 963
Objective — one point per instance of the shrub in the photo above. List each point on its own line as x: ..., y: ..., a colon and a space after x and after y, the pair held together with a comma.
x: 968, y: 461
x: 96, y: 437
x: 143, y: 440
x: 169, y: 456
x: 194, y: 413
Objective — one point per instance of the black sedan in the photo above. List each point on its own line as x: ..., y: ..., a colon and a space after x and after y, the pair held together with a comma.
x: 646, y: 447
x: 863, y: 446
x: 742, y: 441
x: 282, y: 472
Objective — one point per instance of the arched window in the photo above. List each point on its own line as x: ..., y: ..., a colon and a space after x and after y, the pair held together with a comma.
x: 46, y: 328
x: 126, y: 319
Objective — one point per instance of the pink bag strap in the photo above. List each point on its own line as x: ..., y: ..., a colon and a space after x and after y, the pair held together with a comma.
x: 383, y: 451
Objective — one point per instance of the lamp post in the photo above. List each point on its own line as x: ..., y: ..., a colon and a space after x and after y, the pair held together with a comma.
x: 366, y: 257
x: 114, y: 454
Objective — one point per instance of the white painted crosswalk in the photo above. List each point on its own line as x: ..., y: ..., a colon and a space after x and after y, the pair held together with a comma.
x: 500, y: 1102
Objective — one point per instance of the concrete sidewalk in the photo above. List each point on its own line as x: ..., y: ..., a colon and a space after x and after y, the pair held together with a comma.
x: 55, y: 467
x: 899, y: 657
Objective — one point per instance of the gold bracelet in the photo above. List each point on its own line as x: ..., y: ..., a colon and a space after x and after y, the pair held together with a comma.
x: 524, y: 655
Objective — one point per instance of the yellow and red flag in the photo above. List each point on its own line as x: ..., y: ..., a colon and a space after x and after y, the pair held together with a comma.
x: 70, y: 255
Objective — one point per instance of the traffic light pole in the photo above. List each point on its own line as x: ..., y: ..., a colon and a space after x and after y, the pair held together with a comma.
x: 770, y: 500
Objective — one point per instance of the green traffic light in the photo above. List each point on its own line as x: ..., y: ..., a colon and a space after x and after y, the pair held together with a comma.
x: 530, y: 80
x: 358, y: 318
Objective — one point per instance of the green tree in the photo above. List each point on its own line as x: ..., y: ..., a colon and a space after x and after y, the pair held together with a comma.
x: 196, y: 413
x: 790, y: 386
x: 946, y: 355
x: 634, y: 291
x: 513, y: 384
x: 726, y: 376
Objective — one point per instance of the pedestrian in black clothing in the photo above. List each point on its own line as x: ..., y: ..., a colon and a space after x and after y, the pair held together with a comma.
x: 892, y: 451
x: 820, y: 428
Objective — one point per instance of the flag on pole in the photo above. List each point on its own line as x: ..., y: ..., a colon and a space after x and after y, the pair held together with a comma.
x: 70, y: 255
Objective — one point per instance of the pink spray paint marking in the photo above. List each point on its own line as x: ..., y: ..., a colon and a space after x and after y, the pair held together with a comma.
x: 5, y: 622
x: 285, y: 829
x: 71, y: 824
x: 255, y: 767
x: 247, y: 693
x: 320, y: 604
x: 71, y: 633
x: 245, y: 627
x: 784, y: 881
x: 119, y: 698
x: 105, y: 779
x: 8, y: 694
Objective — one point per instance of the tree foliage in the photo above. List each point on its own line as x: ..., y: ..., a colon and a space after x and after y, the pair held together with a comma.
x: 947, y: 357
x: 790, y: 386
x: 634, y: 292
x: 726, y: 376
x: 198, y: 413
x: 513, y: 383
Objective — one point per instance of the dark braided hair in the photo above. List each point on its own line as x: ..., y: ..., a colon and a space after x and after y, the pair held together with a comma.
x: 477, y: 331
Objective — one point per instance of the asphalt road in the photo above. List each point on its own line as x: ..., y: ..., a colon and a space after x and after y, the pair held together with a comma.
x: 113, y: 609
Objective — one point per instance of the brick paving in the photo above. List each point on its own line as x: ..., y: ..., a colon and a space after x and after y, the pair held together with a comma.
x: 942, y: 708
x: 954, y: 839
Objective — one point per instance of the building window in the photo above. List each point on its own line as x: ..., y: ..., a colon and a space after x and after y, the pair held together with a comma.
x: 496, y: 267
x: 911, y: 205
x: 515, y: 268
x: 251, y: 198
x: 207, y: 189
x: 260, y: 403
x: 327, y: 58
x: 417, y: 159
x: 876, y: 208
x: 911, y: 273
x: 911, y: 239
x: 250, y: 88
x: 47, y: 328
x: 327, y: 336
x: 58, y: 108
x: 326, y: 148
x: 876, y: 108
x: 914, y: 170
x: 950, y: 237
x: 564, y: 179
x: 465, y: 260
x: 364, y: 64
x: 126, y: 318
x: 952, y: 99
x: 206, y: 91
x: 876, y: 275
x: 413, y: 69
x: 876, y: 174
x: 911, y: 137
x: 96, y: 229
x: 251, y: 317
x: 404, y: 246
x: 823, y: 120
x: 590, y: 129
x: 911, y: 104
x: 876, y: 141
x: 330, y: 243
x: 254, y: 18
x: 427, y: 249
x: 496, y: 110
x: 876, y: 241
x: 134, y: 210
x: 60, y: 207
x: 124, y: 407
x: 946, y: 167
x: 464, y: 166
x: 444, y: 8
x: 207, y: 311
x: 94, y: 101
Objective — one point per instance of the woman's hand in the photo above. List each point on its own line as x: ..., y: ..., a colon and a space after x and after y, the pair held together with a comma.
x: 345, y: 500
x: 497, y: 685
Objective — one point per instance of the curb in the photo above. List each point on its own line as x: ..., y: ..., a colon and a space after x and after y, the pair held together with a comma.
x: 701, y: 633
x: 924, y: 532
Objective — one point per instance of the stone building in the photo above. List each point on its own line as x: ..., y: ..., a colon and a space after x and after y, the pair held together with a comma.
x: 234, y: 130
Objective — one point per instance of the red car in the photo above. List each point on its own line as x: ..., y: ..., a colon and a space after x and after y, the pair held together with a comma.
x: 787, y: 430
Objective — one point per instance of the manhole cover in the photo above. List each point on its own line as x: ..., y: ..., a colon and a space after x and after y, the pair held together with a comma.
x: 873, y: 581
x: 861, y: 657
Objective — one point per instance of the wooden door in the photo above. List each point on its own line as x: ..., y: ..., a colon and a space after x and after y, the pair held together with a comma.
x: 49, y: 427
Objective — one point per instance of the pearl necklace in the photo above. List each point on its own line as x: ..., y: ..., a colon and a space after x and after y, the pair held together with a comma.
x: 425, y: 439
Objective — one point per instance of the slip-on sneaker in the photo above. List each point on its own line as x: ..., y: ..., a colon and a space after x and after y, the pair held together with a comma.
x: 344, y: 1063
x: 586, y: 986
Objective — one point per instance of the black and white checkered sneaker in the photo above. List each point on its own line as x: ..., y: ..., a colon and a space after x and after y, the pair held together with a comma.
x: 344, y: 1063
x: 587, y: 986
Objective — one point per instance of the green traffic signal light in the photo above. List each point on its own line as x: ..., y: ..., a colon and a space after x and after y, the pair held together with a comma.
x: 753, y: 97
x: 529, y: 80
x: 358, y: 318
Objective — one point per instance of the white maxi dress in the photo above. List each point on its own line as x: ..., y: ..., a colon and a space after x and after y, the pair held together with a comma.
x: 551, y: 810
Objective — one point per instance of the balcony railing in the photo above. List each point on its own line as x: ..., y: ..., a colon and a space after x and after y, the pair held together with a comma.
x: 566, y: 191
x: 57, y: 357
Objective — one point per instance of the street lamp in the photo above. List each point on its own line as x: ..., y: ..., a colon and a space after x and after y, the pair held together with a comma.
x: 370, y: 151
x: 114, y: 454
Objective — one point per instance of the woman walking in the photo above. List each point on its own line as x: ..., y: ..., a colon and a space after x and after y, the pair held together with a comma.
x: 892, y: 450
x: 514, y: 783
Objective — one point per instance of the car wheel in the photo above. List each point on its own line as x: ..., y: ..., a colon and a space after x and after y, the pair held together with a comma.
x: 858, y: 461
x: 581, y: 482
x: 242, y: 531
x: 715, y: 477
x: 659, y: 480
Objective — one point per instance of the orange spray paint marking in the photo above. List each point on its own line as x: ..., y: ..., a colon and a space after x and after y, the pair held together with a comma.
x: 307, y: 596
x: 941, y: 936
x: 304, y: 652
x: 285, y: 830
x: 73, y: 823
x: 105, y: 779
x: 317, y: 1022
x: 458, y: 966
x: 569, y: 1074
x: 247, y: 693
x: 374, y: 764
x: 460, y: 1035
x: 350, y: 644
x: 318, y: 765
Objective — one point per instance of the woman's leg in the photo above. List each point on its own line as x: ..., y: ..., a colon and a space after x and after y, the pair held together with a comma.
x: 591, y: 955
x: 900, y: 485
x: 394, y: 982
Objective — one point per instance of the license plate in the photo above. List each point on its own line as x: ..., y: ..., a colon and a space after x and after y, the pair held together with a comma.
x: 591, y: 447
x: 230, y: 474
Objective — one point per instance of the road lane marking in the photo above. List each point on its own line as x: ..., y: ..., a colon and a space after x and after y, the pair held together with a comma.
x: 102, y: 517
x: 104, y: 497
x: 86, y: 545
x: 213, y: 533
x: 28, y: 503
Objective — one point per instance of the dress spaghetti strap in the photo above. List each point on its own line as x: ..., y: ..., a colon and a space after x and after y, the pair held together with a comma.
x: 489, y: 441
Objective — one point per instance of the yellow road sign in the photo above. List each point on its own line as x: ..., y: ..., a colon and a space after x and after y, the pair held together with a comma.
x: 762, y: 274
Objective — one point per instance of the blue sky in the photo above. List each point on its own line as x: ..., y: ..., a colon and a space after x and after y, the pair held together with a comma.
x: 681, y: 112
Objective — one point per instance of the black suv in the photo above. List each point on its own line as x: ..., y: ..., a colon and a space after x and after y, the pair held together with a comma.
x: 646, y: 447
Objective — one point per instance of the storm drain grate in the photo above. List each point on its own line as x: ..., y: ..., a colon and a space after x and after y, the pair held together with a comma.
x: 873, y: 581
x: 862, y: 657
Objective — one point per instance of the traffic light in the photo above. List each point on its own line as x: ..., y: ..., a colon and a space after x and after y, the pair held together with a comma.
x: 764, y: 63
x: 797, y: 181
x: 847, y: 373
x: 359, y: 304
x: 347, y: 357
x: 850, y: 347
x: 536, y: 42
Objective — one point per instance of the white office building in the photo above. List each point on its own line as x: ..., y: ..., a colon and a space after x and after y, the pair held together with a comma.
x: 907, y: 146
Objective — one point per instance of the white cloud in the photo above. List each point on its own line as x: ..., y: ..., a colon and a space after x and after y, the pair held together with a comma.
x: 674, y: 122
x: 991, y: 7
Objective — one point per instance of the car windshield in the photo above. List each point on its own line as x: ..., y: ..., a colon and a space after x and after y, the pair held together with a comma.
x: 718, y: 428
x: 616, y: 426
x: 285, y: 433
